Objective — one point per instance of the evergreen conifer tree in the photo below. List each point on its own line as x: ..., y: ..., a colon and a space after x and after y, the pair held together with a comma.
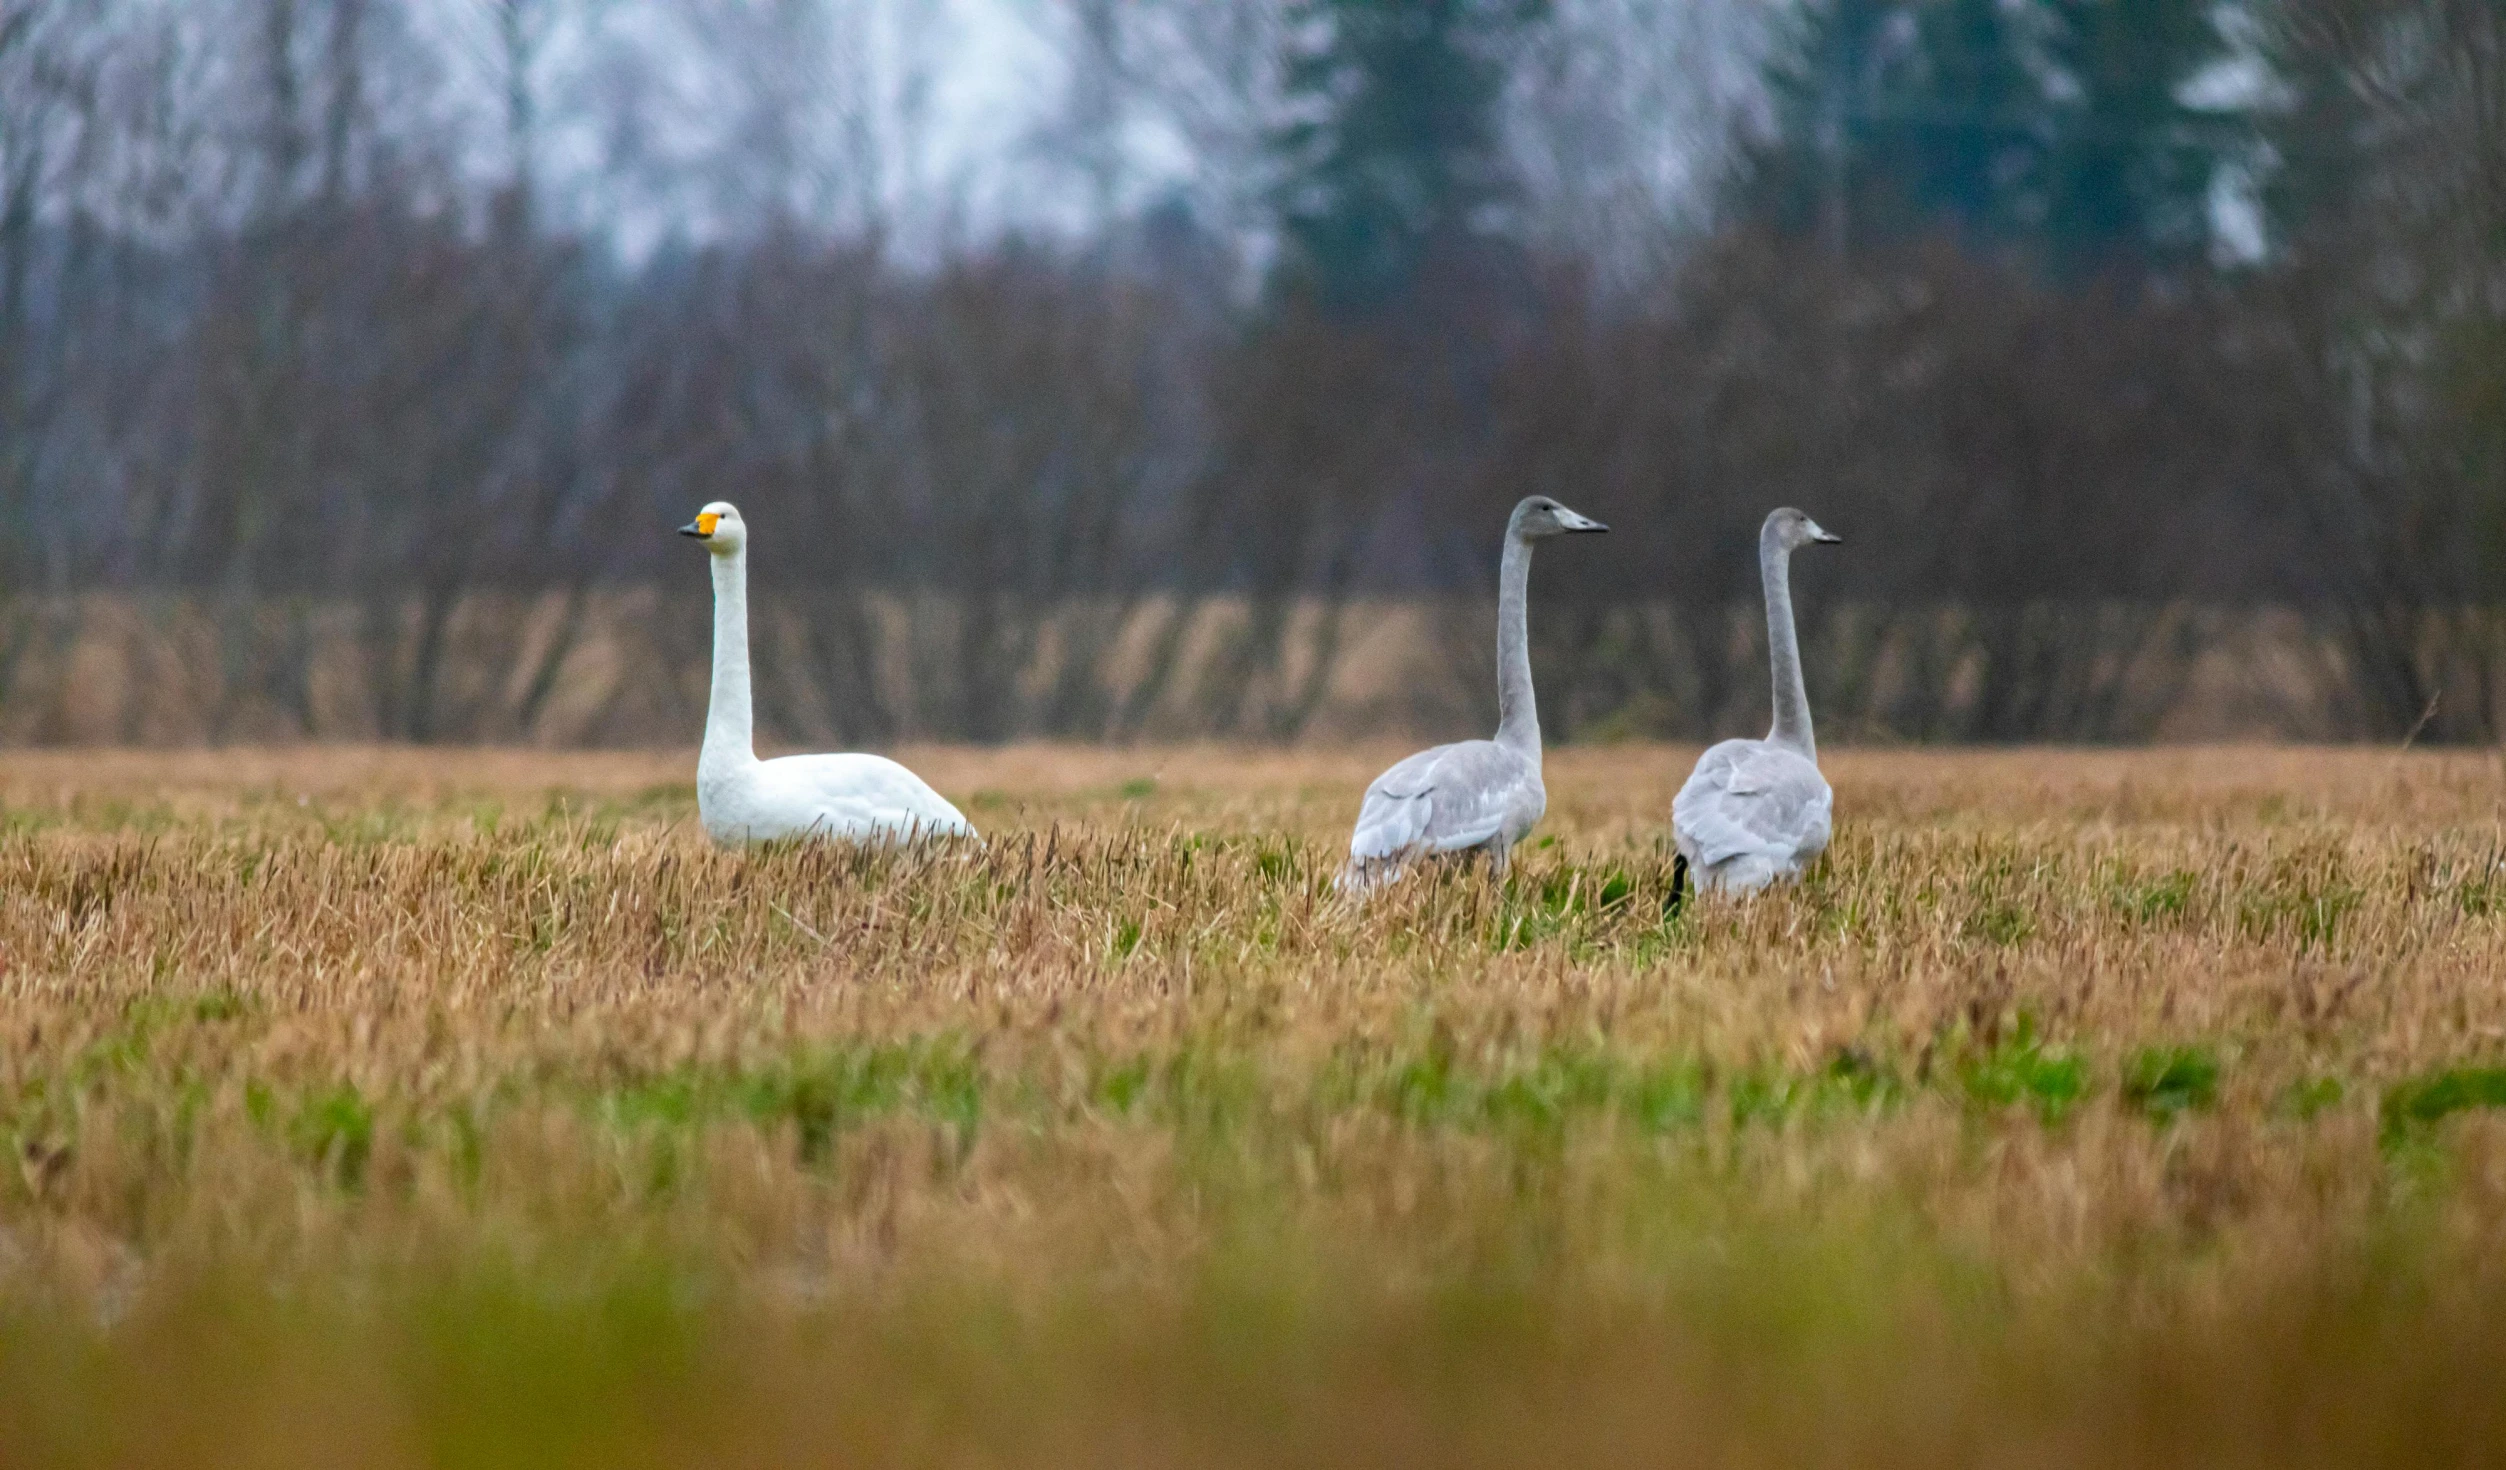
x: 2056, y: 127
x: 1391, y: 150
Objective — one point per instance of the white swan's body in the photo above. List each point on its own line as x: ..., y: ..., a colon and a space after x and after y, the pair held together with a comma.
x: 859, y: 798
x: 1757, y: 812
x: 1474, y: 795
x: 1752, y: 815
x: 1470, y: 795
x: 741, y: 799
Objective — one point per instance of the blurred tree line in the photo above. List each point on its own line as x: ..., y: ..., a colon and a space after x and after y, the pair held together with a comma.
x: 356, y: 355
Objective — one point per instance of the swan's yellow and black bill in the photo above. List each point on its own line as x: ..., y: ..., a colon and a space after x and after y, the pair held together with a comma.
x: 703, y: 526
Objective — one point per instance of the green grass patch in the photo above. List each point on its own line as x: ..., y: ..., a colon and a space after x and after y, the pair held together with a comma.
x: 2164, y: 1082
x: 817, y: 1093
x: 2432, y: 1097
x: 2308, y: 898
x: 332, y: 1129
x: 2002, y: 924
x: 2023, y: 1071
x: 1565, y: 903
x: 2310, y: 1096
x: 2152, y: 901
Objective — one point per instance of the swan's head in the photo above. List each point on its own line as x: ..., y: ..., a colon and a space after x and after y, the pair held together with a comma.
x: 1539, y: 518
x: 719, y: 526
x: 1790, y: 528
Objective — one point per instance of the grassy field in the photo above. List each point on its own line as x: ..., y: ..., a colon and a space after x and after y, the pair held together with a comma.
x: 382, y: 1108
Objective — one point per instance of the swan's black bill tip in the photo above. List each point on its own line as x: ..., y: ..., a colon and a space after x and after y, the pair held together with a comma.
x: 1828, y: 538
x: 690, y: 530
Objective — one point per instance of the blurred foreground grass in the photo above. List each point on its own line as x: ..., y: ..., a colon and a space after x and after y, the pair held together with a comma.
x: 377, y: 1108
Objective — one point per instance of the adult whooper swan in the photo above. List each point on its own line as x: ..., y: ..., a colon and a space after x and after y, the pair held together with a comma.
x: 1476, y: 795
x: 1755, y: 812
x: 739, y: 798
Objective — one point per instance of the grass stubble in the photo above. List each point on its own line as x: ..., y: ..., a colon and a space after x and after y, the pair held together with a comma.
x: 390, y: 1108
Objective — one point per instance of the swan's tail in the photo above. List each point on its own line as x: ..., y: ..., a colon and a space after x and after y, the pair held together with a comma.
x: 1362, y: 876
x: 1744, y: 876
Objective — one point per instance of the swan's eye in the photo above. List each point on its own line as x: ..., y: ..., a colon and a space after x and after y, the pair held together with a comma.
x: 705, y: 523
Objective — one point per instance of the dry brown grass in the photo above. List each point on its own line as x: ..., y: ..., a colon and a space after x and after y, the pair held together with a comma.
x: 377, y: 1106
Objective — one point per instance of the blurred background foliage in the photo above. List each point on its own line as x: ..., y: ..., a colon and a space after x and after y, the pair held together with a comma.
x: 356, y: 356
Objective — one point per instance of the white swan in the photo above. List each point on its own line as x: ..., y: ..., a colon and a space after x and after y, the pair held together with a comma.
x: 1476, y: 795
x: 743, y: 799
x: 1757, y: 811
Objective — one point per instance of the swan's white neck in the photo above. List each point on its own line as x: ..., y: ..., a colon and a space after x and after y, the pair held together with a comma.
x: 729, y: 741
x: 1792, y: 700
x: 1518, y: 718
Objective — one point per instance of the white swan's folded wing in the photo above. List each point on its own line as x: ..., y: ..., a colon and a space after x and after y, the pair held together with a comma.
x: 1447, y: 799
x: 868, y: 794
x: 1749, y: 797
